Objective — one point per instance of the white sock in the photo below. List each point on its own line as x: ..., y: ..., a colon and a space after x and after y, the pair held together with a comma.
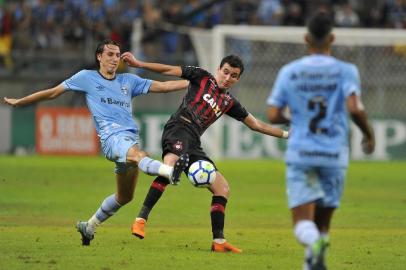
x: 219, y: 240
x: 92, y: 223
x: 306, y: 232
x: 165, y: 171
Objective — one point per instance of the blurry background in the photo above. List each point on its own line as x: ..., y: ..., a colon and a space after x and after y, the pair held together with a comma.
x: 43, y: 42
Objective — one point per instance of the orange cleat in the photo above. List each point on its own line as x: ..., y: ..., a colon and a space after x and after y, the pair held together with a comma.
x: 138, y: 228
x: 224, y: 247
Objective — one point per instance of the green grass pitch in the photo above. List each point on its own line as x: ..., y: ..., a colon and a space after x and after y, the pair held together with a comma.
x: 41, y: 198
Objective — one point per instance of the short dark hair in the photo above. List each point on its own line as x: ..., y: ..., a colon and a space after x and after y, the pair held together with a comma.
x: 234, y: 61
x: 100, y: 48
x: 320, y: 26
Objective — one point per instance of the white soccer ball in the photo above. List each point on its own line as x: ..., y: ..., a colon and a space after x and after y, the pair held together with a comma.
x: 201, y: 173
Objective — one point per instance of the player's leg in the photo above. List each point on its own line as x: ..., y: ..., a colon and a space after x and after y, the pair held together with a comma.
x: 304, y: 190
x: 221, y: 191
x: 154, y: 167
x: 175, y: 144
x: 115, y: 148
x: 332, y: 182
x: 155, y: 192
x: 126, y: 178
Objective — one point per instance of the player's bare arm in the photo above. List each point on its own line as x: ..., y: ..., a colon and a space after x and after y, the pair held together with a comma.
x: 46, y: 94
x: 129, y: 58
x: 168, y: 86
x: 359, y: 117
x: 262, y: 127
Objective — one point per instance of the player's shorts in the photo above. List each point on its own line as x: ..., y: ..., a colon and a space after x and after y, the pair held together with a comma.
x: 322, y: 185
x: 115, y: 148
x: 177, y: 138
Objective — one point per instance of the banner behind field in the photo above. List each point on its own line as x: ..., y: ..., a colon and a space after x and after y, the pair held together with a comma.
x: 65, y: 131
x: 228, y: 138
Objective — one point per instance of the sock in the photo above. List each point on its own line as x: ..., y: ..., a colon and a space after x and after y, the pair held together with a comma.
x: 154, y: 167
x: 92, y: 223
x: 108, y: 208
x: 154, y: 194
x: 325, y: 237
x: 219, y: 240
x: 218, y: 205
x: 306, y: 232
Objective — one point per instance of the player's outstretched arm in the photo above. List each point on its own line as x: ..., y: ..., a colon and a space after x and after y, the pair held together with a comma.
x: 360, y: 118
x: 129, y: 58
x: 36, y: 97
x: 262, y: 127
x: 168, y: 86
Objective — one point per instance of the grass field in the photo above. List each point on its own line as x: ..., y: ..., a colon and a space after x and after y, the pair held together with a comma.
x: 41, y: 198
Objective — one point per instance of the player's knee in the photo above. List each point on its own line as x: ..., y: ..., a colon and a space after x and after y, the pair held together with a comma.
x: 124, y: 199
x: 135, y: 156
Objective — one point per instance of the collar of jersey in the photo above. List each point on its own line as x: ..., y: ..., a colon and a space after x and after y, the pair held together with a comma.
x: 112, y: 79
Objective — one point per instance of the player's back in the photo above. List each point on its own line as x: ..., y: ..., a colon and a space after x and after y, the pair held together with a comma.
x: 315, y: 89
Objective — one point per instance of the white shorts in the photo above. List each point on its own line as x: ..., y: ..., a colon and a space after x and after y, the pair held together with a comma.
x: 310, y: 183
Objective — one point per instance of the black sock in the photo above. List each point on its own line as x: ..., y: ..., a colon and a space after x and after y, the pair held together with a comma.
x: 218, y: 206
x: 154, y: 194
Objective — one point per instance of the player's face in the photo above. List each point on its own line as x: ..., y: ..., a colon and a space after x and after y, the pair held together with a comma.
x: 109, y: 59
x: 227, y: 76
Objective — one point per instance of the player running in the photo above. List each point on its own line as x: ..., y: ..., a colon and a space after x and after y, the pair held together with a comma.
x: 108, y: 97
x: 318, y: 90
x: 207, y: 99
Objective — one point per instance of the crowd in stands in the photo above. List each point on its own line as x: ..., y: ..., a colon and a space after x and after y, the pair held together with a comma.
x: 69, y: 24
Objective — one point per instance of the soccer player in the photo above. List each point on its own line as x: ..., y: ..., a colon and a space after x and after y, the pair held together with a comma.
x: 317, y: 90
x: 108, y: 97
x: 207, y: 99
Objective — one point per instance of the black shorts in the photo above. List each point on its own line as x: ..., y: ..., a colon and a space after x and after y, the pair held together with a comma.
x: 178, y: 138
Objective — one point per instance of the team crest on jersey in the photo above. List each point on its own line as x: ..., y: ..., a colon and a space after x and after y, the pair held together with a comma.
x: 178, y: 146
x: 124, y: 90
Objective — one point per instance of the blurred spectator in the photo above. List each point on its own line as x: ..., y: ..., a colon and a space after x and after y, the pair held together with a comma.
x: 244, y: 11
x: 5, y: 36
x: 345, y: 16
x: 394, y: 13
x: 294, y: 15
x: 270, y: 12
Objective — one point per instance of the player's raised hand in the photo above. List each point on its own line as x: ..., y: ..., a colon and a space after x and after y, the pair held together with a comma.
x: 368, y: 145
x: 10, y: 101
x: 130, y: 60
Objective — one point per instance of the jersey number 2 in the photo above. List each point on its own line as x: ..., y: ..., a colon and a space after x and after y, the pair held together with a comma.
x: 320, y: 103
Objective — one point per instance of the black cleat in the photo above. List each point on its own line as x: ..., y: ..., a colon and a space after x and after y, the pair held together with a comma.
x: 179, y: 167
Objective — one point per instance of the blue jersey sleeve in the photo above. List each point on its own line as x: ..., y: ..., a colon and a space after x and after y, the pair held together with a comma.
x: 351, y: 80
x: 77, y: 82
x: 277, y: 96
x: 139, y: 86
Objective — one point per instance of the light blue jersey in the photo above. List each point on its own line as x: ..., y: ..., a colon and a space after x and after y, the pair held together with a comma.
x: 315, y: 89
x: 109, y: 101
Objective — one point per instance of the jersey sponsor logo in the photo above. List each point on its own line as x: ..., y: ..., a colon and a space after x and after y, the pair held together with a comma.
x: 213, y: 104
x: 115, y: 102
x: 323, y: 154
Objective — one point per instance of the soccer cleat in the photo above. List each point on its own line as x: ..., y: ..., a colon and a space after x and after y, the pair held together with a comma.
x: 317, y: 259
x: 81, y: 226
x: 138, y: 228
x: 180, y: 165
x: 224, y: 247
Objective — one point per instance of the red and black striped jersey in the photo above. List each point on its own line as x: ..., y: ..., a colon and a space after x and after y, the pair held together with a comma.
x: 205, y: 102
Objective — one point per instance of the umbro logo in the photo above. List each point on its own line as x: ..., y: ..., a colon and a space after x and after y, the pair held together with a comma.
x: 100, y: 87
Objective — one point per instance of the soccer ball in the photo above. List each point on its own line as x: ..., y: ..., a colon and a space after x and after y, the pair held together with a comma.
x: 201, y: 173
